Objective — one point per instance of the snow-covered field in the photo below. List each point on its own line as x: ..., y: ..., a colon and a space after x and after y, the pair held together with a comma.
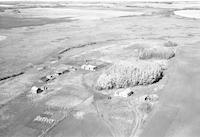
x: 2, y: 37
x: 188, y: 13
x: 175, y: 5
x: 6, y: 5
x: 72, y: 13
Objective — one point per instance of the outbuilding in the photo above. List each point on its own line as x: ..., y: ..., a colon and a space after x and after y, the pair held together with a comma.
x: 38, y: 90
x: 125, y: 93
x: 89, y: 67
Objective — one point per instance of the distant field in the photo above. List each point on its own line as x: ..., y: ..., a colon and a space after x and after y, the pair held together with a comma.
x: 14, y: 22
x: 188, y: 13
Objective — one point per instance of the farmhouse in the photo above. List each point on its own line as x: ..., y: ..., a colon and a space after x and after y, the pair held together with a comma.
x: 125, y: 93
x: 37, y: 90
x: 89, y: 67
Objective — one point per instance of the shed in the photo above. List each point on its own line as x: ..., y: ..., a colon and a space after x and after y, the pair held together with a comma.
x: 89, y: 67
x: 125, y: 93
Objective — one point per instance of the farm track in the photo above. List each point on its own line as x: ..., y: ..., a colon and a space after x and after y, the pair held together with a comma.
x: 89, y: 89
x: 115, y: 132
x: 138, y: 119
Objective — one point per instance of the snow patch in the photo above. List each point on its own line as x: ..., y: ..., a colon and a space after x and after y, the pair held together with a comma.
x: 84, y: 14
x: 188, y: 13
x: 2, y: 38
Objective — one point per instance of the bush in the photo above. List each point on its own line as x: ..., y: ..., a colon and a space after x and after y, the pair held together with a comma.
x: 156, y: 52
x: 170, y: 44
x: 127, y: 74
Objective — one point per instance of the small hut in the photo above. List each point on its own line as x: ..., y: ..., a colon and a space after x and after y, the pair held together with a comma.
x: 89, y: 67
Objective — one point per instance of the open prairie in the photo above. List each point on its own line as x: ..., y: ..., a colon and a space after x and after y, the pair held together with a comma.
x: 99, y: 69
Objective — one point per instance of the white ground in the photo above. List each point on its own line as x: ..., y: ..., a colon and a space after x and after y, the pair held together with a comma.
x: 72, y: 13
x: 188, y: 13
x: 5, y: 5
x: 175, y: 5
x: 2, y: 38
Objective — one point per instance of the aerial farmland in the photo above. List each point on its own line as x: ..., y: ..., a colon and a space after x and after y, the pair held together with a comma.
x: 99, y: 69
